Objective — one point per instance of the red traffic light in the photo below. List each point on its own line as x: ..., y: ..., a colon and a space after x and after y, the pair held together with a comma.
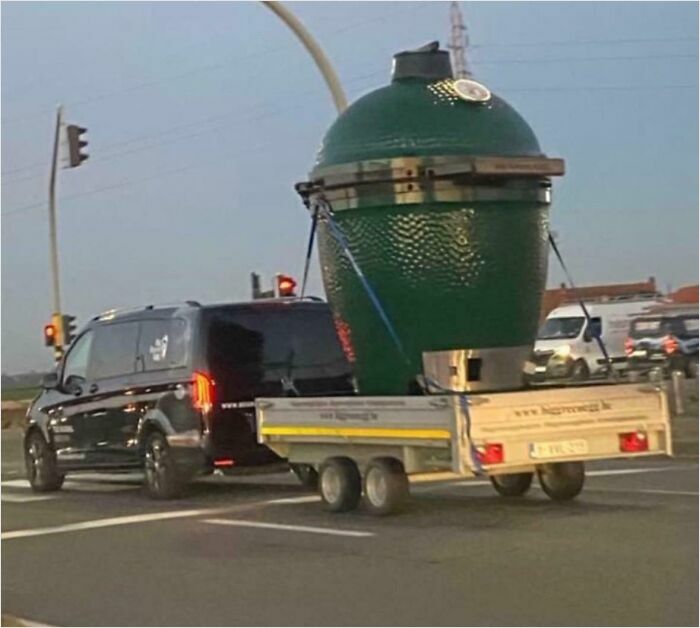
x: 286, y: 286
x: 50, y: 335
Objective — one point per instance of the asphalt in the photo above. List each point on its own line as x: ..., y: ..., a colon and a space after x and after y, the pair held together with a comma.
x: 230, y: 553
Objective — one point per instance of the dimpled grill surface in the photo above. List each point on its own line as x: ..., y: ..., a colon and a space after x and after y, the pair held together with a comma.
x: 449, y: 276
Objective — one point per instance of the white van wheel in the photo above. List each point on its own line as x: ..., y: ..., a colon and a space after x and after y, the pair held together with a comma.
x: 579, y: 371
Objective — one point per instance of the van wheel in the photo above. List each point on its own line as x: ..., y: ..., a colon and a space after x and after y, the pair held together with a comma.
x: 511, y: 484
x: 561, y: 481
x: 691, y: 370
x: 306, y: 474
x: 386, y: 486
x: 339, y: 484
x: 580, y: 371
x: 162, y: 478
x: 40, y: 462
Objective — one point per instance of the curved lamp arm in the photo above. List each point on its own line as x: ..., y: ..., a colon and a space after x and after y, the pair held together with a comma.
x: 322, y: 62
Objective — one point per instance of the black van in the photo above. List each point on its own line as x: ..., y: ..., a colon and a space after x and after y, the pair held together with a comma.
x: 666, y: 340
x: 171, y: 389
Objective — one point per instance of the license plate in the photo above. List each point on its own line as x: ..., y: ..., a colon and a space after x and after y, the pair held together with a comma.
x: 639, y: 353
x: 562, y: 448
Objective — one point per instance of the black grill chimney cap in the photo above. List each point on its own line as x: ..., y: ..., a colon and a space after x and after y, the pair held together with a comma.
x: 427, y: 62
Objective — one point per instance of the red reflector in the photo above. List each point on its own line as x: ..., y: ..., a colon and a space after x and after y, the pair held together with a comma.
x: 224, y: 462
x: 491, y: 453
x: 629, y: 346
x: 634, y: 441
x: 202, y: 392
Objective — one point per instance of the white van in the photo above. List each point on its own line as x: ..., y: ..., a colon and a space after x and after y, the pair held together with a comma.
x: 566, y: 347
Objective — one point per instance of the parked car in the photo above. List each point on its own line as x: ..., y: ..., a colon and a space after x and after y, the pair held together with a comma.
x: 171, y: 389
x: 666, y: 340
x: 566, y: 347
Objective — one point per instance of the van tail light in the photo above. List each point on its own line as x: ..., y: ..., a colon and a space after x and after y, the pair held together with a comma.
x: 491, y: 453
x: 224, y: 462
x: 634, y: 441
x: 629, y: 346
x: 670, y: 345
x: 202, y: 392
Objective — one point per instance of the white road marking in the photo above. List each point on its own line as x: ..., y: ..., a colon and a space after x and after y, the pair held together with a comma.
x: 306, y: 499
x: 79, y: 485
x: 605, y: 472
x: 21, y: 499
x: 651, y: 491
x: 288, y: 528
x: 113, y: 521
x: 600, y: 473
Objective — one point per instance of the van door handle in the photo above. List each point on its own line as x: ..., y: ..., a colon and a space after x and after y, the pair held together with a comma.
x: 94, y: 388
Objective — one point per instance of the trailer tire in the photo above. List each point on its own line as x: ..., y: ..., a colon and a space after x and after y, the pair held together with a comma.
x: 511, y: 484
x: 339, y: 484
x: 561, y: 481
x: 385, y: 486
x: 306, y: 474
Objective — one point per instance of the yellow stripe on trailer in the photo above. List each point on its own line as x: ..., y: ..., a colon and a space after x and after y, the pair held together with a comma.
x: 357, y: 432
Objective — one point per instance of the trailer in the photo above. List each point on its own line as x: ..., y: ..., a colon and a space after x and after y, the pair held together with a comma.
x: 371, y: 446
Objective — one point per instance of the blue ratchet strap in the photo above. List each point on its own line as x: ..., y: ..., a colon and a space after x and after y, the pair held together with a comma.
x: 587, y: 316
x: 464, y: 405
x: 326, y: 213
x: 309, y: 250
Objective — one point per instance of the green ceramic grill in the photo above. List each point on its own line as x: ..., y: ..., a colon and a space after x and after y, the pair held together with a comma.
x: 441, y: 192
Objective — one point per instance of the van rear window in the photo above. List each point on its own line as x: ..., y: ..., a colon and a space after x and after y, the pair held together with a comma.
x: 285, y: 339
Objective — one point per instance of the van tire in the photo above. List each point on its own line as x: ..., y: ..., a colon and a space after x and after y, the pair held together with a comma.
x: 580, y: 371
x: 339, y: 484
x: 511, y: 484
x: 40, y: 463
x: 561, y: 481
x: 385, y: 486
x: 306, y: 474
x: 163, y: 480
x: 691, y: 369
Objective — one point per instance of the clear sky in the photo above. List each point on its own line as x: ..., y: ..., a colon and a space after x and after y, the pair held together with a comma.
x: 202, y: 116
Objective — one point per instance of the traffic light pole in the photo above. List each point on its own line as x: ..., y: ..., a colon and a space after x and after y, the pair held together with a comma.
x: 53, y: 238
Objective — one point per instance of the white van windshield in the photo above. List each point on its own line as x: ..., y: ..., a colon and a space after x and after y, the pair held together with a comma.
x: 565, y: 327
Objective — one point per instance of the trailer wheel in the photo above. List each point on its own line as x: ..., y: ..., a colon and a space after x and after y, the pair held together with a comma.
x: 339, y: 484
x: 511, y: 484
x: 386, y: 486
x: 561, y: 481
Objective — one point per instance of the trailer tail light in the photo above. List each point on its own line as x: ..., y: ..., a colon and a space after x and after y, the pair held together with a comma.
x: 634, y: 441
x: 491, y: 453
x: 202, y: 392
x: 629, y: 346
x: 670, y: 345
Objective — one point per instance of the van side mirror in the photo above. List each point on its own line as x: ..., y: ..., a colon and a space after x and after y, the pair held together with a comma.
x: 587, y: 335
x: 49, y: 381
x: 74, y: 384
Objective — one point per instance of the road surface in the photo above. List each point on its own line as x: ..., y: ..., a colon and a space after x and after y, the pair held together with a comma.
x: 260, y: 551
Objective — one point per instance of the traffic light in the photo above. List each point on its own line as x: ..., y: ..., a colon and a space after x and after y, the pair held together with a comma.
x: 50, y: 333
x: 76, y: 156
x: 68, y: 329
x: 286, y: 286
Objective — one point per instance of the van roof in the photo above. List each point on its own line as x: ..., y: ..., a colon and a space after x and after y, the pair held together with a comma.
x: 623, y: 308
x: 168, y: 309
